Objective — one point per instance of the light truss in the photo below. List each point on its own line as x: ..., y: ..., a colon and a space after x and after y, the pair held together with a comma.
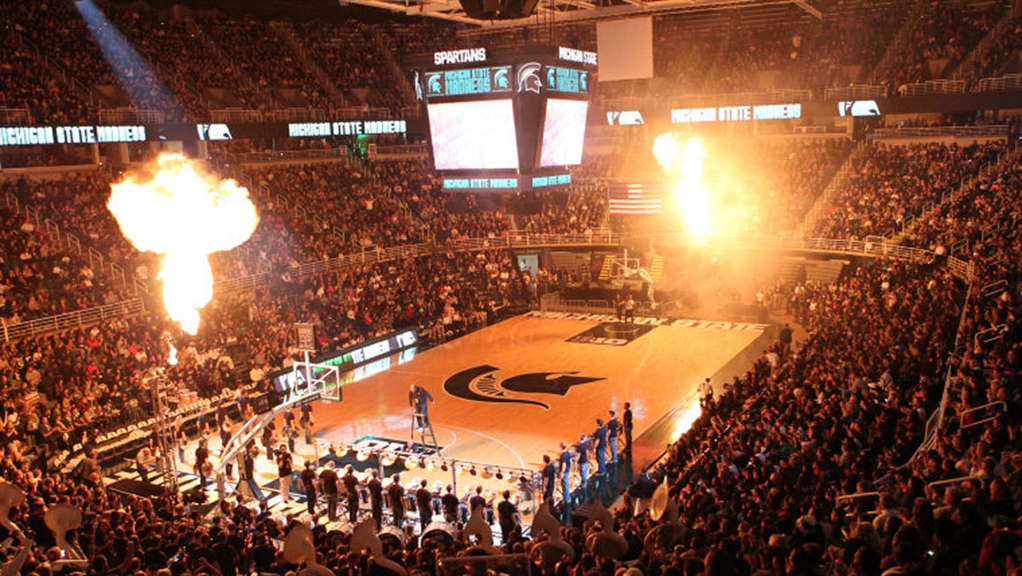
x: 567, y: 11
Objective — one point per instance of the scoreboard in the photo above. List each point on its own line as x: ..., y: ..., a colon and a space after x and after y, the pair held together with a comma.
x: 505, y: 120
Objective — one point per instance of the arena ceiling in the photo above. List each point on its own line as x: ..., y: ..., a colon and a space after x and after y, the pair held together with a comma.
x: 567, y: 11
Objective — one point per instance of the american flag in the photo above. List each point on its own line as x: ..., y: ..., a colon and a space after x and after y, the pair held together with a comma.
x: 636, y: 198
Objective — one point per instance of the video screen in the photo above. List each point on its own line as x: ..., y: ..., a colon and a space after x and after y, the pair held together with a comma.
x: 564, y: 130
x: 473, y: 135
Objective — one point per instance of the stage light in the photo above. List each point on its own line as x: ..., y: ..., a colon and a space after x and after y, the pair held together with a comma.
x: 410, y: 464
x: 472, y: 471
x: 444, y: 466
x: 500, y: 475
x: 363, y: 455
x: 388, y: 458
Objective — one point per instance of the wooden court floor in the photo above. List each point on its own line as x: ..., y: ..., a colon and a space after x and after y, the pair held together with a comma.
x: 512, y: 392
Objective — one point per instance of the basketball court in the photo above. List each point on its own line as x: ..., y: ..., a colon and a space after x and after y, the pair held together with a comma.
x: 506, y: 395
x: 509, y: 393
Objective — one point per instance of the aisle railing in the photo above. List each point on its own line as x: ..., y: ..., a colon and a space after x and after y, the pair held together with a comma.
x: 77, y: 319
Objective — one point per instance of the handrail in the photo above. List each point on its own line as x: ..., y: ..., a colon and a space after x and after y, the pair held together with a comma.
x: 597, y: 238
x: 941, y: 86
x: 994, y: 130
x: 936, y: 420
x: 1001, y: 83
x: 837, y: 181
x: 77, y: 319
x: 858, y: 495
x: 374, y: 254
x: 403, y: 150
x: 300, y: 114
x: 14, y: 115
x: 998, y: 332
x: 864, y: 247
x: 994, y: 288
x: 855, y: 92
x: 129, y: 114
x: 938, y: 483
x: 336, y: 154
x: 961, y: 417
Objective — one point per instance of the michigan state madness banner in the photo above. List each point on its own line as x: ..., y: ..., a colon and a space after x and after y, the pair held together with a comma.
x: 636, y: 198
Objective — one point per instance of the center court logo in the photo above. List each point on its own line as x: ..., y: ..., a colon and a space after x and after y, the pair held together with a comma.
x: 481, y: 384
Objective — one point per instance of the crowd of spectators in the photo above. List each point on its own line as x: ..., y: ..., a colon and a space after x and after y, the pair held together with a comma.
x: 984, y: 203
x: 170, y: 46
x: 891, y: 184
x: 779, y: 182
x: 805, y: 425
x: 40, y: 277
x: 1004, y: 45
x: 726, y: 54
x: 185, y: 67
x: 347, y: 53
x: 758, y: 478
x: 580, y: 209
x: 64, y: 389
x: 59, y: 33
x: 34, y: 156
x: 809, y: 463
x: 266, y: 65
x: 942, y: 32
x: 77, y: 204
x: 743, y: 53
x: 346, y: 209
x: 29, y: 84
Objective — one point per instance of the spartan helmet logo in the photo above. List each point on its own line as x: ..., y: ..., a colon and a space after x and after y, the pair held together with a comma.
x: 433, y: 83
x: 481, y: 385
x: 528, y: 77
x: 500, y: 79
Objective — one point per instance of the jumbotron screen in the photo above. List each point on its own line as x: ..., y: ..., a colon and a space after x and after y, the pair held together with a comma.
x: 564, y: 130
x: 477, y: 135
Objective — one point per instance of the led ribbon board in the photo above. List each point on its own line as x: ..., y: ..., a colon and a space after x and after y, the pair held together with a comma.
x: 469, y: 82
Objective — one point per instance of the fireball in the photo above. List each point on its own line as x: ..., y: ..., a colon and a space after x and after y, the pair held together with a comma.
x: 684, y: 160
x: 177, y: 209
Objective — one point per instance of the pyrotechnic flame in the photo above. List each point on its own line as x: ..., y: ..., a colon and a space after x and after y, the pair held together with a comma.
x: 691, y: 195
x: 665, y: 148
x: 175, y: 208
x: 684, y: 421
